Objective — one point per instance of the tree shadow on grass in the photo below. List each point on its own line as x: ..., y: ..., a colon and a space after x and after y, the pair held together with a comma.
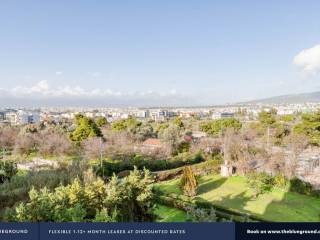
x: 231, y: 207
x: 238, y: 201
x: 293, y: 207
x: 208, y: 186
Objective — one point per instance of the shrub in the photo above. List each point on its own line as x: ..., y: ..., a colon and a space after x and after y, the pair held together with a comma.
x: 183, y: 147
x: 127, y: 200
x: 18, y: 187
x: 201, y: 215
x: 299, y: 186
x: 259, y: 182
x: 7, y: 170
x: 281, y: 181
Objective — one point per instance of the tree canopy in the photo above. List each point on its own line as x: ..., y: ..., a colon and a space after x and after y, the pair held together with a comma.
x: 101, y: 121
x: 130, y: 125
x: 310, y: 126
x: 86, y: 128
x: 267, y: 118
x: 216, y: 127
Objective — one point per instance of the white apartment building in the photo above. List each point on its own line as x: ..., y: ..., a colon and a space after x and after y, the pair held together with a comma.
x: 21, y: 117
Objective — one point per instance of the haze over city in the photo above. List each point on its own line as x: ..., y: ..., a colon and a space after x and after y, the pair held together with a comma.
x: 146, y: 53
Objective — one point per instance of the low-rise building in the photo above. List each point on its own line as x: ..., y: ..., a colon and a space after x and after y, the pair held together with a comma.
x: 222, y: 115
x: 21, y: 117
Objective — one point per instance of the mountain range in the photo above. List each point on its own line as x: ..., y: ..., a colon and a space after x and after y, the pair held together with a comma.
x: 290, y: 98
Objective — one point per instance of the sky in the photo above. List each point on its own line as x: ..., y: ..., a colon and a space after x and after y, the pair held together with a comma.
x: 100, y: 52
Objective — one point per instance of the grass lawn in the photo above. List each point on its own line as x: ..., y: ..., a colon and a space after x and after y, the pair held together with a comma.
x: 234, y: 194
x: 167, y: 214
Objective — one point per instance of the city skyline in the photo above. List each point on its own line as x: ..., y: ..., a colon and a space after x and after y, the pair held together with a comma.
x: 208, y: 53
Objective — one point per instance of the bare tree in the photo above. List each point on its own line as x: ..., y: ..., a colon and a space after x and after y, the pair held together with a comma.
x: 296, y: 143
x: 26, y: 143
x: 54, y: 143
x: 92, y: 148
x: 207, y: 145
x: 8, y: 136
x: 275, y: 164
x: 118, y: 143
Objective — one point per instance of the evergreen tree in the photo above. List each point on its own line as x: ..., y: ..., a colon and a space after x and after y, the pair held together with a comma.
x: 86, y: 128
x: 189, y: 182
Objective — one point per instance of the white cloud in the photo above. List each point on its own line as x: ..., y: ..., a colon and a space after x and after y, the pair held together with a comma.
x: 42, y: 89
x: 309, y: 60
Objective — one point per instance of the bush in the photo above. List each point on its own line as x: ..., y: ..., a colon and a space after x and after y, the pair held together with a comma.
x: 186, y: 204
x: 280, y: 181
x: 20, y: 184
x: 299, y: 186
x: 202, y: 215
x: 260, y: 182
x: 127, y: 200
x: 7, y: 170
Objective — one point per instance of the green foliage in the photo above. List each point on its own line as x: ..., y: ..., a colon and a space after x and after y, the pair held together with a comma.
x: 216, y: 127
x: 260, y: 182
x: 20, y: 184
x: 172, y: 137
x: 189, y: 183
x: 119, y: 125
x: 162, y: 126
x: 7, y: 170
x: 141, y: 131
x: 86, y: 128
x: 201, y: 215
x: 299, y: 186
x: 183, y: 147
x: 280, y: 132
x: 287, y: 118
x: 178, y: 122
x: 200, y: 210
x: 280, y: 181
x: 310, y: 126
x: 144, y: 131
x: 103, y: 216
x: 101, y: 121
x: 130, y: 199
x: 267, y: 118
x: 130, y: 125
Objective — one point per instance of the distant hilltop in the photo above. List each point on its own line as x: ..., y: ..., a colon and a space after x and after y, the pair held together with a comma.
x: 290, y: 99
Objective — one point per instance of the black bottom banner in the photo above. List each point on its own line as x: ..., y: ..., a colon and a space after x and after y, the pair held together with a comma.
x: 117, y: 231
x: 161, y: 231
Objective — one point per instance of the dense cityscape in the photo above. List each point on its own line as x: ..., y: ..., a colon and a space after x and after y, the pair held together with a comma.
x: 55, y: 114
